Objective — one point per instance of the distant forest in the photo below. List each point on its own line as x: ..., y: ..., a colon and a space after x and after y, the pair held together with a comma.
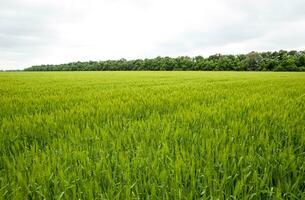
x: 253, y: 61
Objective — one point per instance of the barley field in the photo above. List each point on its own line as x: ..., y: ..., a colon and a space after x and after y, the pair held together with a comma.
x: 152, y: 135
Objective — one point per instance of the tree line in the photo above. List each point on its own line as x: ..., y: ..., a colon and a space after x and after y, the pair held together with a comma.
x: 253, y: 61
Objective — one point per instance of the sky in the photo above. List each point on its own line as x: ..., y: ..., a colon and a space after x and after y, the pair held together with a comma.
x: 34, y: 32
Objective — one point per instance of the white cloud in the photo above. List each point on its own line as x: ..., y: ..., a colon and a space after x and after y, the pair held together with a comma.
x: 54, y: 31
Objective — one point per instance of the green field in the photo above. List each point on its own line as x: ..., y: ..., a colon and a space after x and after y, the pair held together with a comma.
x: 152, y: 135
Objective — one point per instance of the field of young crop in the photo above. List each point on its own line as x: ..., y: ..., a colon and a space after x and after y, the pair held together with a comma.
x: 152, y: 135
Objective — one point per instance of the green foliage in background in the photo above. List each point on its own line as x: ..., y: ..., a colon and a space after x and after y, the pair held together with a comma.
x: 253, y: 61
x: 152, y: 135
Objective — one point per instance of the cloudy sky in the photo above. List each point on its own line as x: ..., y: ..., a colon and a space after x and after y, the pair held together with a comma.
x: 56, y: 31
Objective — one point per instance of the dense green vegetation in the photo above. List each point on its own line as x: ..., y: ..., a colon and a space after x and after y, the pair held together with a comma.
x: 152, y: 135
x: 267, y: 61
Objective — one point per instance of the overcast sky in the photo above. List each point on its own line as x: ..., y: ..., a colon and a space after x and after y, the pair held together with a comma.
x: 58, y: 31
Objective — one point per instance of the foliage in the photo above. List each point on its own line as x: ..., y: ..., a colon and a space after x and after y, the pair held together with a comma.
x: 152, y: 135
x: 254, y: 61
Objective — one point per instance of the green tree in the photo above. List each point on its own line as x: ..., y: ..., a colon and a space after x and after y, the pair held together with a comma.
x: 252, y: 61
